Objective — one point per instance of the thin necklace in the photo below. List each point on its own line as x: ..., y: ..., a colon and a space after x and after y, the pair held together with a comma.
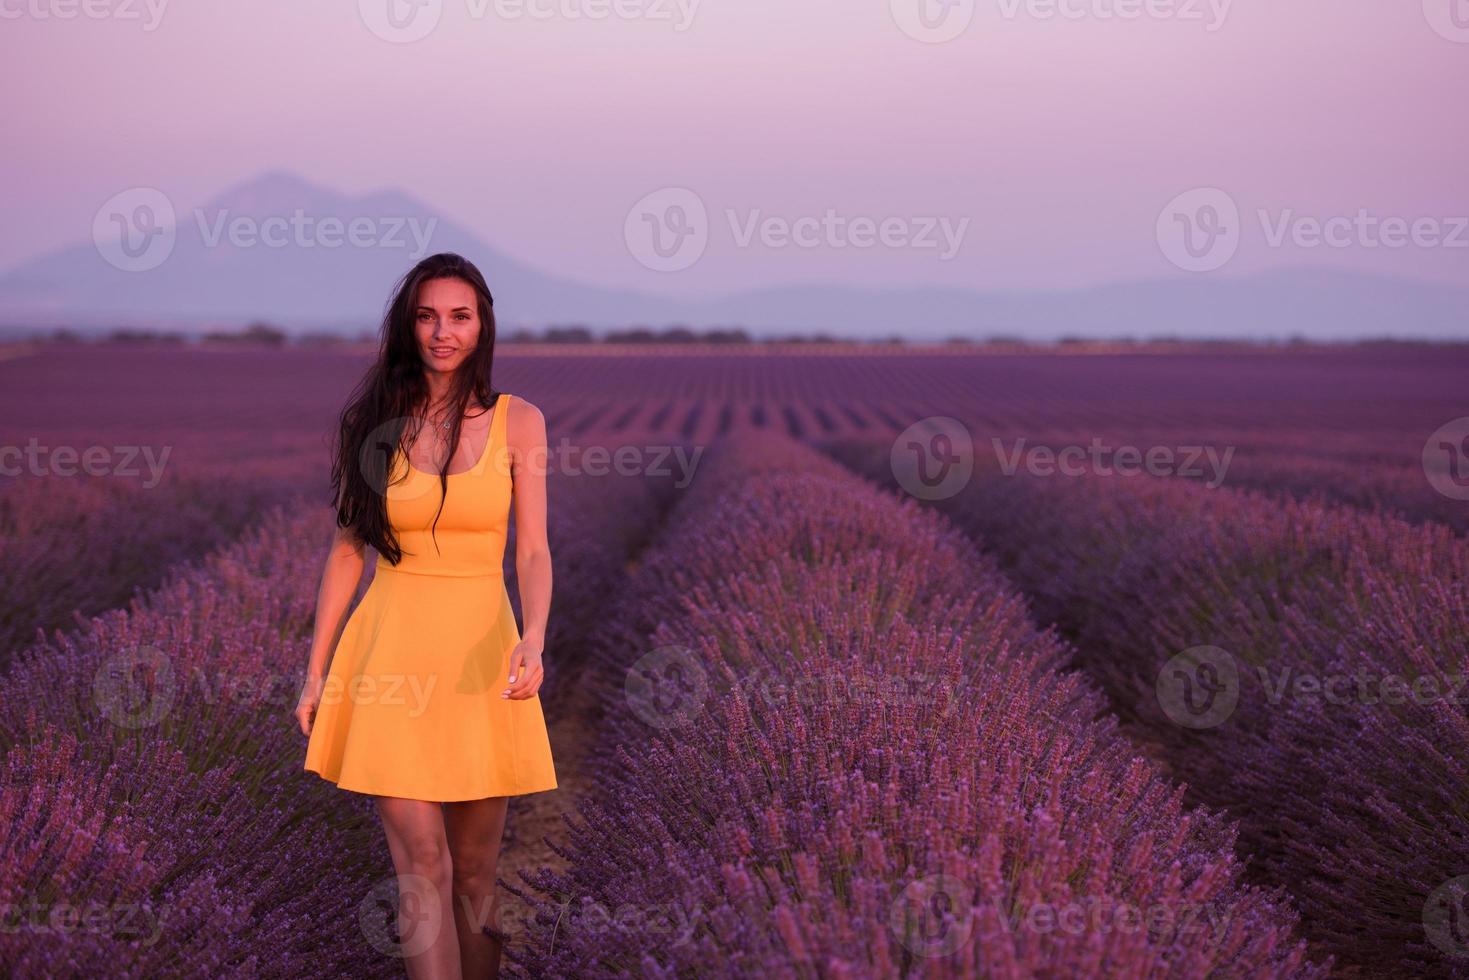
x: 443, y: 425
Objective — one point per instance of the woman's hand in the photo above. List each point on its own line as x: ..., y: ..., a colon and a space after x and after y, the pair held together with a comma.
x: 310, y: 698
x: 526, y: 671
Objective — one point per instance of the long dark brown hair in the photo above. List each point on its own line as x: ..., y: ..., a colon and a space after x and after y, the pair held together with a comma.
x: 392, y: 396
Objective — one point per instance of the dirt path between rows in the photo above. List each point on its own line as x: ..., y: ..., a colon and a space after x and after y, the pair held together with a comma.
x: 537, y: 817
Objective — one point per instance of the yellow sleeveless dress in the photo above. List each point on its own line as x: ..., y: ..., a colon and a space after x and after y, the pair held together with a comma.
x: 411, y: 705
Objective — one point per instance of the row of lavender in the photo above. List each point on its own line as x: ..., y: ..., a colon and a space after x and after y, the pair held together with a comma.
x: 81, y: 546
x: 597, y: 524
x: 1369, y: 470
x: 1353, y: 426
x: 1302, y: 665
x: 119, y: 461
x: 71, y: 546
x: 158, y: 819
x: 836, y: 745
x: 1357, y: 425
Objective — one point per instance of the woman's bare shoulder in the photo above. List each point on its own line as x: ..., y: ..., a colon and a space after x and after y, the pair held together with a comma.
x: 524, y: 420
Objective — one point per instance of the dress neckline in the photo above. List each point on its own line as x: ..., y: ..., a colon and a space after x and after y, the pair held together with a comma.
x: 484, y: 453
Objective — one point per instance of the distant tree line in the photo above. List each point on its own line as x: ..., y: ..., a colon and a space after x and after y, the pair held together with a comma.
x: 260, y: 333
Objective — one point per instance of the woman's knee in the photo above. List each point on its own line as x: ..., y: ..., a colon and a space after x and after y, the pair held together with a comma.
x: 473, y: 874
x: 427, y: 856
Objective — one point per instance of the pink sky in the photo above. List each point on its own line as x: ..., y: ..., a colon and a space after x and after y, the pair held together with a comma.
x: 1060, y: 140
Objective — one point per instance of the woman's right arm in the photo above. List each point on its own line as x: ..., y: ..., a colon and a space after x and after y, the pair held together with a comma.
x: 339, y: 578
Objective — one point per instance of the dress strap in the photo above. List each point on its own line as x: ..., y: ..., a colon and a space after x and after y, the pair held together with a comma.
x: 502, y: 407
x: 498, y: 428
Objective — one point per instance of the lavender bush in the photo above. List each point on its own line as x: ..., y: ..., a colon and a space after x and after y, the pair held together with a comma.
x: 80, y: 547
x: 151, y: 767
x: 834, y: 733
x: 1307, y: 618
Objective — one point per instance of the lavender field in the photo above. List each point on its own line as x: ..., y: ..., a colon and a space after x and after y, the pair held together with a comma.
x: 863, y: 662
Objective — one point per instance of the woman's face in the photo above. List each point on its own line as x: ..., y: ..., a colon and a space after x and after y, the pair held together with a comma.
x: 446, y: 323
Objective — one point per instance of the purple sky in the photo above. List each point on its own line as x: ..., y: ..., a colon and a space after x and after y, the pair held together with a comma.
x: 1060, y: 139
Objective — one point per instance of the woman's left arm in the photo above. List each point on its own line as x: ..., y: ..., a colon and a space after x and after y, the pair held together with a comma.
x: 526, y: 436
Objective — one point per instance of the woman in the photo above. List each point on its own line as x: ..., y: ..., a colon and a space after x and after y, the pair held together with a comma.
x: 430, y: 704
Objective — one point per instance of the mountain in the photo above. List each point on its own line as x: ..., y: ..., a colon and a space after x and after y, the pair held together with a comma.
x: 208, y: 280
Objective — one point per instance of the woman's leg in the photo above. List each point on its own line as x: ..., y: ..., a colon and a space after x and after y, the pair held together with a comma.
x: 474, y: 830
x: 420, y: 850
